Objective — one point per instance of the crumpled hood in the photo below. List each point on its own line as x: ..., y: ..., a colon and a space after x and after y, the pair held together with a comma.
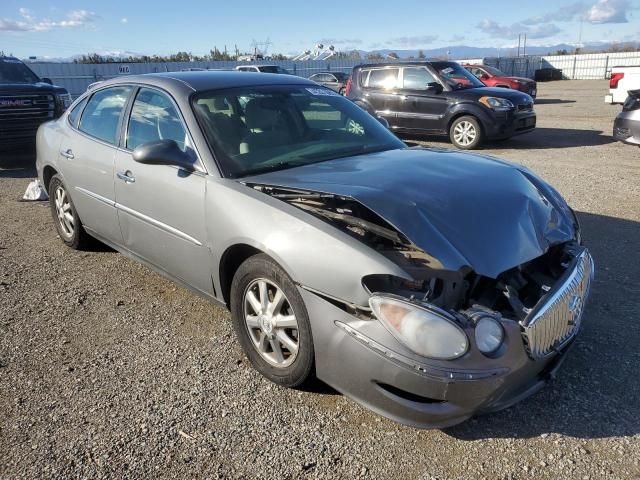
x: 462, y: 209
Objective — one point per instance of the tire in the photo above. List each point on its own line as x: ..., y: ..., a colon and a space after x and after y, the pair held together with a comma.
x: 65, y: 217
x: 473, y: 136
x: 260, y: 333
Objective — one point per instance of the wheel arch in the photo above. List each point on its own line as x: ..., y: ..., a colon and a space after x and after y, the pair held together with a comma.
x: 47, y: 174
x: 229, y: 263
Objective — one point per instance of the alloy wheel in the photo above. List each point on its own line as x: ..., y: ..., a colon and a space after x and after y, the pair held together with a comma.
x: 465, y: 133
x: 63, y: 211
x: 271, y: 323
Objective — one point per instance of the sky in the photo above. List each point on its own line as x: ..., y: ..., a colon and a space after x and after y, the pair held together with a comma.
x: 64, y: 28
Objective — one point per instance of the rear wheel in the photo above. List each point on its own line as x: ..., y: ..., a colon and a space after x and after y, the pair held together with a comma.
x: 466, y: 133
x: 65, y: 217
x: 271, y: 322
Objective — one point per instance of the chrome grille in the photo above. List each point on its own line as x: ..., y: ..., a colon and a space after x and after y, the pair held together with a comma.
x: 554, y: 321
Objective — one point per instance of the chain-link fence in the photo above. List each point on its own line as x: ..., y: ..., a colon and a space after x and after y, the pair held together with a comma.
x: 76, y: 77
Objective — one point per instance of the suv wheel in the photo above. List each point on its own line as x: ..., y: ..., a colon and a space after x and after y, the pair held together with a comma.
x: 466, y: 133
x: 271, y: 322
x: 64, y: 214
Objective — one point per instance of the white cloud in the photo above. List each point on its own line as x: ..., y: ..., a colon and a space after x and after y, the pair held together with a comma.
x: 609, y: 11
x: 73, y: 19
x: 414, y: 41
x: 340, y: 41
x: 497, y: 30
x: 124, y: 20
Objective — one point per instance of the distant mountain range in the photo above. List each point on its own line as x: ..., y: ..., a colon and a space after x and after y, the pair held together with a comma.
x: 454, y: 52
x: 464, y: 51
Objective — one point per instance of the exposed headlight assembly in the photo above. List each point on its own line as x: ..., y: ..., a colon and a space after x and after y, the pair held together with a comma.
x: 496, y: 103
x: 428, y: 332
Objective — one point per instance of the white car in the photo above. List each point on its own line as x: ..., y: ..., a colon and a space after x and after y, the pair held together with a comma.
x: 623, y: 79
x: 263, y: 69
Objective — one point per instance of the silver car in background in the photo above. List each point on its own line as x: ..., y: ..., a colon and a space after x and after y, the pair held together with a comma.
x: 429, y: 285
x: 626, y: 126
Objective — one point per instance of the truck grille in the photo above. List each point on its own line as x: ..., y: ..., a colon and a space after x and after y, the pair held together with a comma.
x: 555, y: 321
x: 22, y: 114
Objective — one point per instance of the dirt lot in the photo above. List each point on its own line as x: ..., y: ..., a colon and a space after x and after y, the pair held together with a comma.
x: 108, y: 370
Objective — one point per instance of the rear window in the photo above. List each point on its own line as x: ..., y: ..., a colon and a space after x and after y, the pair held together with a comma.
x: 386, y: 78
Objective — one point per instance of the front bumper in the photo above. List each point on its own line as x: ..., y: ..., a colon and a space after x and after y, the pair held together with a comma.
x: 509, y: 124
x: 362, y: 360
x: 626, y: 127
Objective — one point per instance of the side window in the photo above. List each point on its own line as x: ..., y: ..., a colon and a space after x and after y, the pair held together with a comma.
x: 153, y: 118
x: 477, y: 72
x: 384, y: 78
x: 74, y: 114
x: 416, y: 78
x: 102, y: 113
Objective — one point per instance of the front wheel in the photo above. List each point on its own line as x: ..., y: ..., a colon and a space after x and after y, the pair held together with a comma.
x: 271, y: 322
x: 466, y: 133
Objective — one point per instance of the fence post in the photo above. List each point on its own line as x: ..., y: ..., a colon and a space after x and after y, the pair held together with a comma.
x: 606, y: 66
x: 575, y: 60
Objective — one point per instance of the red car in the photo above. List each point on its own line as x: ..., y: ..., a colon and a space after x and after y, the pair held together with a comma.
x: 492, y: 77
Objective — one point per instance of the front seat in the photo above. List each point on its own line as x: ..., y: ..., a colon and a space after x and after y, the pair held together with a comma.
x: 266, y: 120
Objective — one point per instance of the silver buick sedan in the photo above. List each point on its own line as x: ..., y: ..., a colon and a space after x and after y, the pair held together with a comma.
x: 429, y: 285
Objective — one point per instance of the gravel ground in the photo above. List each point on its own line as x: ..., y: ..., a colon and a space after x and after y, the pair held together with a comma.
x: 108, y: 370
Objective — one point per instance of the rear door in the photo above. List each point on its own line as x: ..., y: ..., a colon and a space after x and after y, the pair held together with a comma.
x: 420, y: 109
x: 380, y: 87
x: 87, y: 159
x: 161, y: 207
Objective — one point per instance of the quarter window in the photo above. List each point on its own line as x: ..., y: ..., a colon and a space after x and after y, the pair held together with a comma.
x: 417, y: 78
x: 75, y: 113
x: 153, y: 118
x: 384, y: 78
x: 102, y: 114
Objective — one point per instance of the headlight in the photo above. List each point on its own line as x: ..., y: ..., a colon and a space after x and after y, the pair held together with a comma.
x: 489, y: 334
x: 497, y: 104
x: 426, y: 332
x: 66, y: 100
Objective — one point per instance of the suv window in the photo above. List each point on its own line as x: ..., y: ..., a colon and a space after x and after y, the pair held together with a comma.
x: 102, y: 114
x: 75, y: 113
x: 383, y: 78
x: 416, y: 78
x: 153, y: 118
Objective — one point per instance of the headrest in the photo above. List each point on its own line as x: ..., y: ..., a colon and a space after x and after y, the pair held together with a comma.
x: 263, y: 113
x: 219, y: 103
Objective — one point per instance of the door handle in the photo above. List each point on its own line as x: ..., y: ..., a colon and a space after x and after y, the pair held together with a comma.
x: 67, y: 154
x: 126, y: 176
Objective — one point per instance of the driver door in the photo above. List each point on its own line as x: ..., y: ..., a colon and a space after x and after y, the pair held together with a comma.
x: 421, y: 109
x: 161, y: 207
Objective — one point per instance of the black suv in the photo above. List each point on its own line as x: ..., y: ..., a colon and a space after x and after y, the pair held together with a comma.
x: 26, y: 101
x: 440, y: 98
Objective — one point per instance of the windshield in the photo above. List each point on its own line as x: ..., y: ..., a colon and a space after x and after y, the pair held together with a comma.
x: 494, y: 71
x: 456, y: 76
x: 14, y: 71
x: 259, y: 129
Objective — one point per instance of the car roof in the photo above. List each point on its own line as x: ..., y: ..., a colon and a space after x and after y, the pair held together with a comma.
x: 405, y: 63
x: 188, y: 82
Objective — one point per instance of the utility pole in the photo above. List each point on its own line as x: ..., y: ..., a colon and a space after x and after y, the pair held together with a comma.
x: 519, y: 35
x: 524, y: 47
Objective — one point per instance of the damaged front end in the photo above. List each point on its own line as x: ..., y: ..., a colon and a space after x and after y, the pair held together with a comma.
x: 464, y: 297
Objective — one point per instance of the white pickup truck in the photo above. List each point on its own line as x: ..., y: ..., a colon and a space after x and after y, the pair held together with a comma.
x: 622, y: 80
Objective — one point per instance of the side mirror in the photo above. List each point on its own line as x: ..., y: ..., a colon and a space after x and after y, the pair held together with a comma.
x: 384, y: 122
x: 47, y: 80
x: 434, y: 87
x: 163, y: 152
